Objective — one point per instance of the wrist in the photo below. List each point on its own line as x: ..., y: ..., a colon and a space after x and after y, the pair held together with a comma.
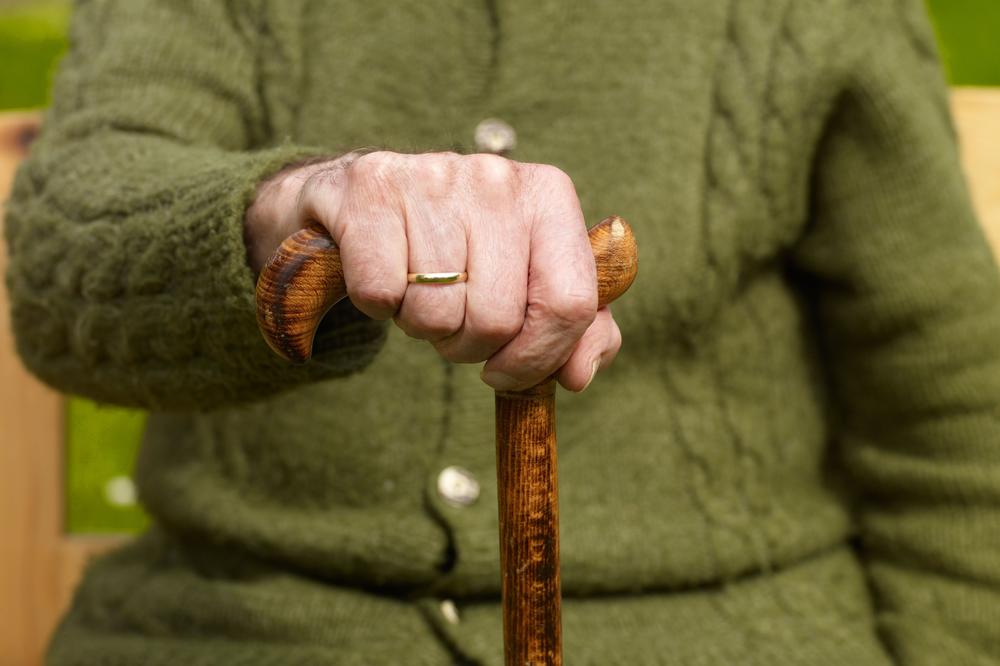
x: 273, y: 215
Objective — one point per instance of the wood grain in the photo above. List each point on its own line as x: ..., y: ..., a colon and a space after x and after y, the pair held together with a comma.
x: 528, y: 498
x: 298, y: 285
x: 616, y: 256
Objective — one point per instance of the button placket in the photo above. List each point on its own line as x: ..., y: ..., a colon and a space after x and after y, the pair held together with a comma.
x: 461, y: 486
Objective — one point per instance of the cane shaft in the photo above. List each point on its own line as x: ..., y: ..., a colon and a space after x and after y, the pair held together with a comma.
x: 528, y: 496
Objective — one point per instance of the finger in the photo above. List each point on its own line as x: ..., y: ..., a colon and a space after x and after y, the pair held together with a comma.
x: 362, y: 212
x: 496, y: 291
x: 562, y: 290
x: 436, y: 238
x: 595, y: 351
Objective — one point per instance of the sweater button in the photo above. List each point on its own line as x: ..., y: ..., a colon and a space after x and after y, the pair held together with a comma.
x: 457, y: 486
x: 495, y: 136
x: 449, y: 611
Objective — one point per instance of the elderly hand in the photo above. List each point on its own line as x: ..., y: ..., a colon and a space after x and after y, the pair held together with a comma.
x: 529, y: 307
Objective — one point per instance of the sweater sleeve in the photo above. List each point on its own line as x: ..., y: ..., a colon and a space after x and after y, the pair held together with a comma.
x: 128, y: 275
x: 907, y: 298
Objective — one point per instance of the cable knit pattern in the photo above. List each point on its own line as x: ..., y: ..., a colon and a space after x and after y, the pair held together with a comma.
x: 141, y: 295
x: 794, y: 460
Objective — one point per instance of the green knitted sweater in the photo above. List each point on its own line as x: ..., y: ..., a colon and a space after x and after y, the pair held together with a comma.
x: 795, y: 459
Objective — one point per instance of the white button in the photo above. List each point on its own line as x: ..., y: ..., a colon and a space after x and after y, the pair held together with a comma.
x: 120, y: 491
x: 457, y: 486
x: 450, y: 611
x: 495, y: 136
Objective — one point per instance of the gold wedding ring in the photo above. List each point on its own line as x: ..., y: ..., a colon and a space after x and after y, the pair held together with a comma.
x: 436, y: 278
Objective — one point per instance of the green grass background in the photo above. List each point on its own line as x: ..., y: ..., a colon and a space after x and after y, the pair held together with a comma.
x: 102, y: 441
x: 969, y: 39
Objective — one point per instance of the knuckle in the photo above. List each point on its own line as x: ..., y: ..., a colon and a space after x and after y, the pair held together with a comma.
x: 426, y: 325
x: 435, y: 172
x: 529, y: 365
x: 375, y: 295
x: 377, y: 166
x: 310, y: 188
x: 573, y: 311
x: 554, y: 179
x: 291, y: 186
x: 495, y: 328
x: 316, y: 188
x: 553, y: 194
x: 490, y: 169
x: 429, y: 316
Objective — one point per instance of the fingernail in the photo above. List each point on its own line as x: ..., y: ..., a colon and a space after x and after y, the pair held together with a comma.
x: 593, y: 373
x: 498, y: 380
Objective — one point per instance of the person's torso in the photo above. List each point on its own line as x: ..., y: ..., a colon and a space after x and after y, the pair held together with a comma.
x: 699, y: 455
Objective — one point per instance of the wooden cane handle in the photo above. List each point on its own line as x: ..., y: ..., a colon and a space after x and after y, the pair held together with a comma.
x: 304, y: 278
x: 616, y: 256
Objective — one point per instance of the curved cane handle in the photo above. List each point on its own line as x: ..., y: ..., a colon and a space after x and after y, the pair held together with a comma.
x: 303, y: 279
x: 616, y: 256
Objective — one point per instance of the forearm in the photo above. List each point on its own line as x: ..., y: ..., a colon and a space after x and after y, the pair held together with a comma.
x: 150, y: 302
x: 128, y: 272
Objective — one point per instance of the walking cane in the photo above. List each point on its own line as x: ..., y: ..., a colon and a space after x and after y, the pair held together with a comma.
x: 304, y: 279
